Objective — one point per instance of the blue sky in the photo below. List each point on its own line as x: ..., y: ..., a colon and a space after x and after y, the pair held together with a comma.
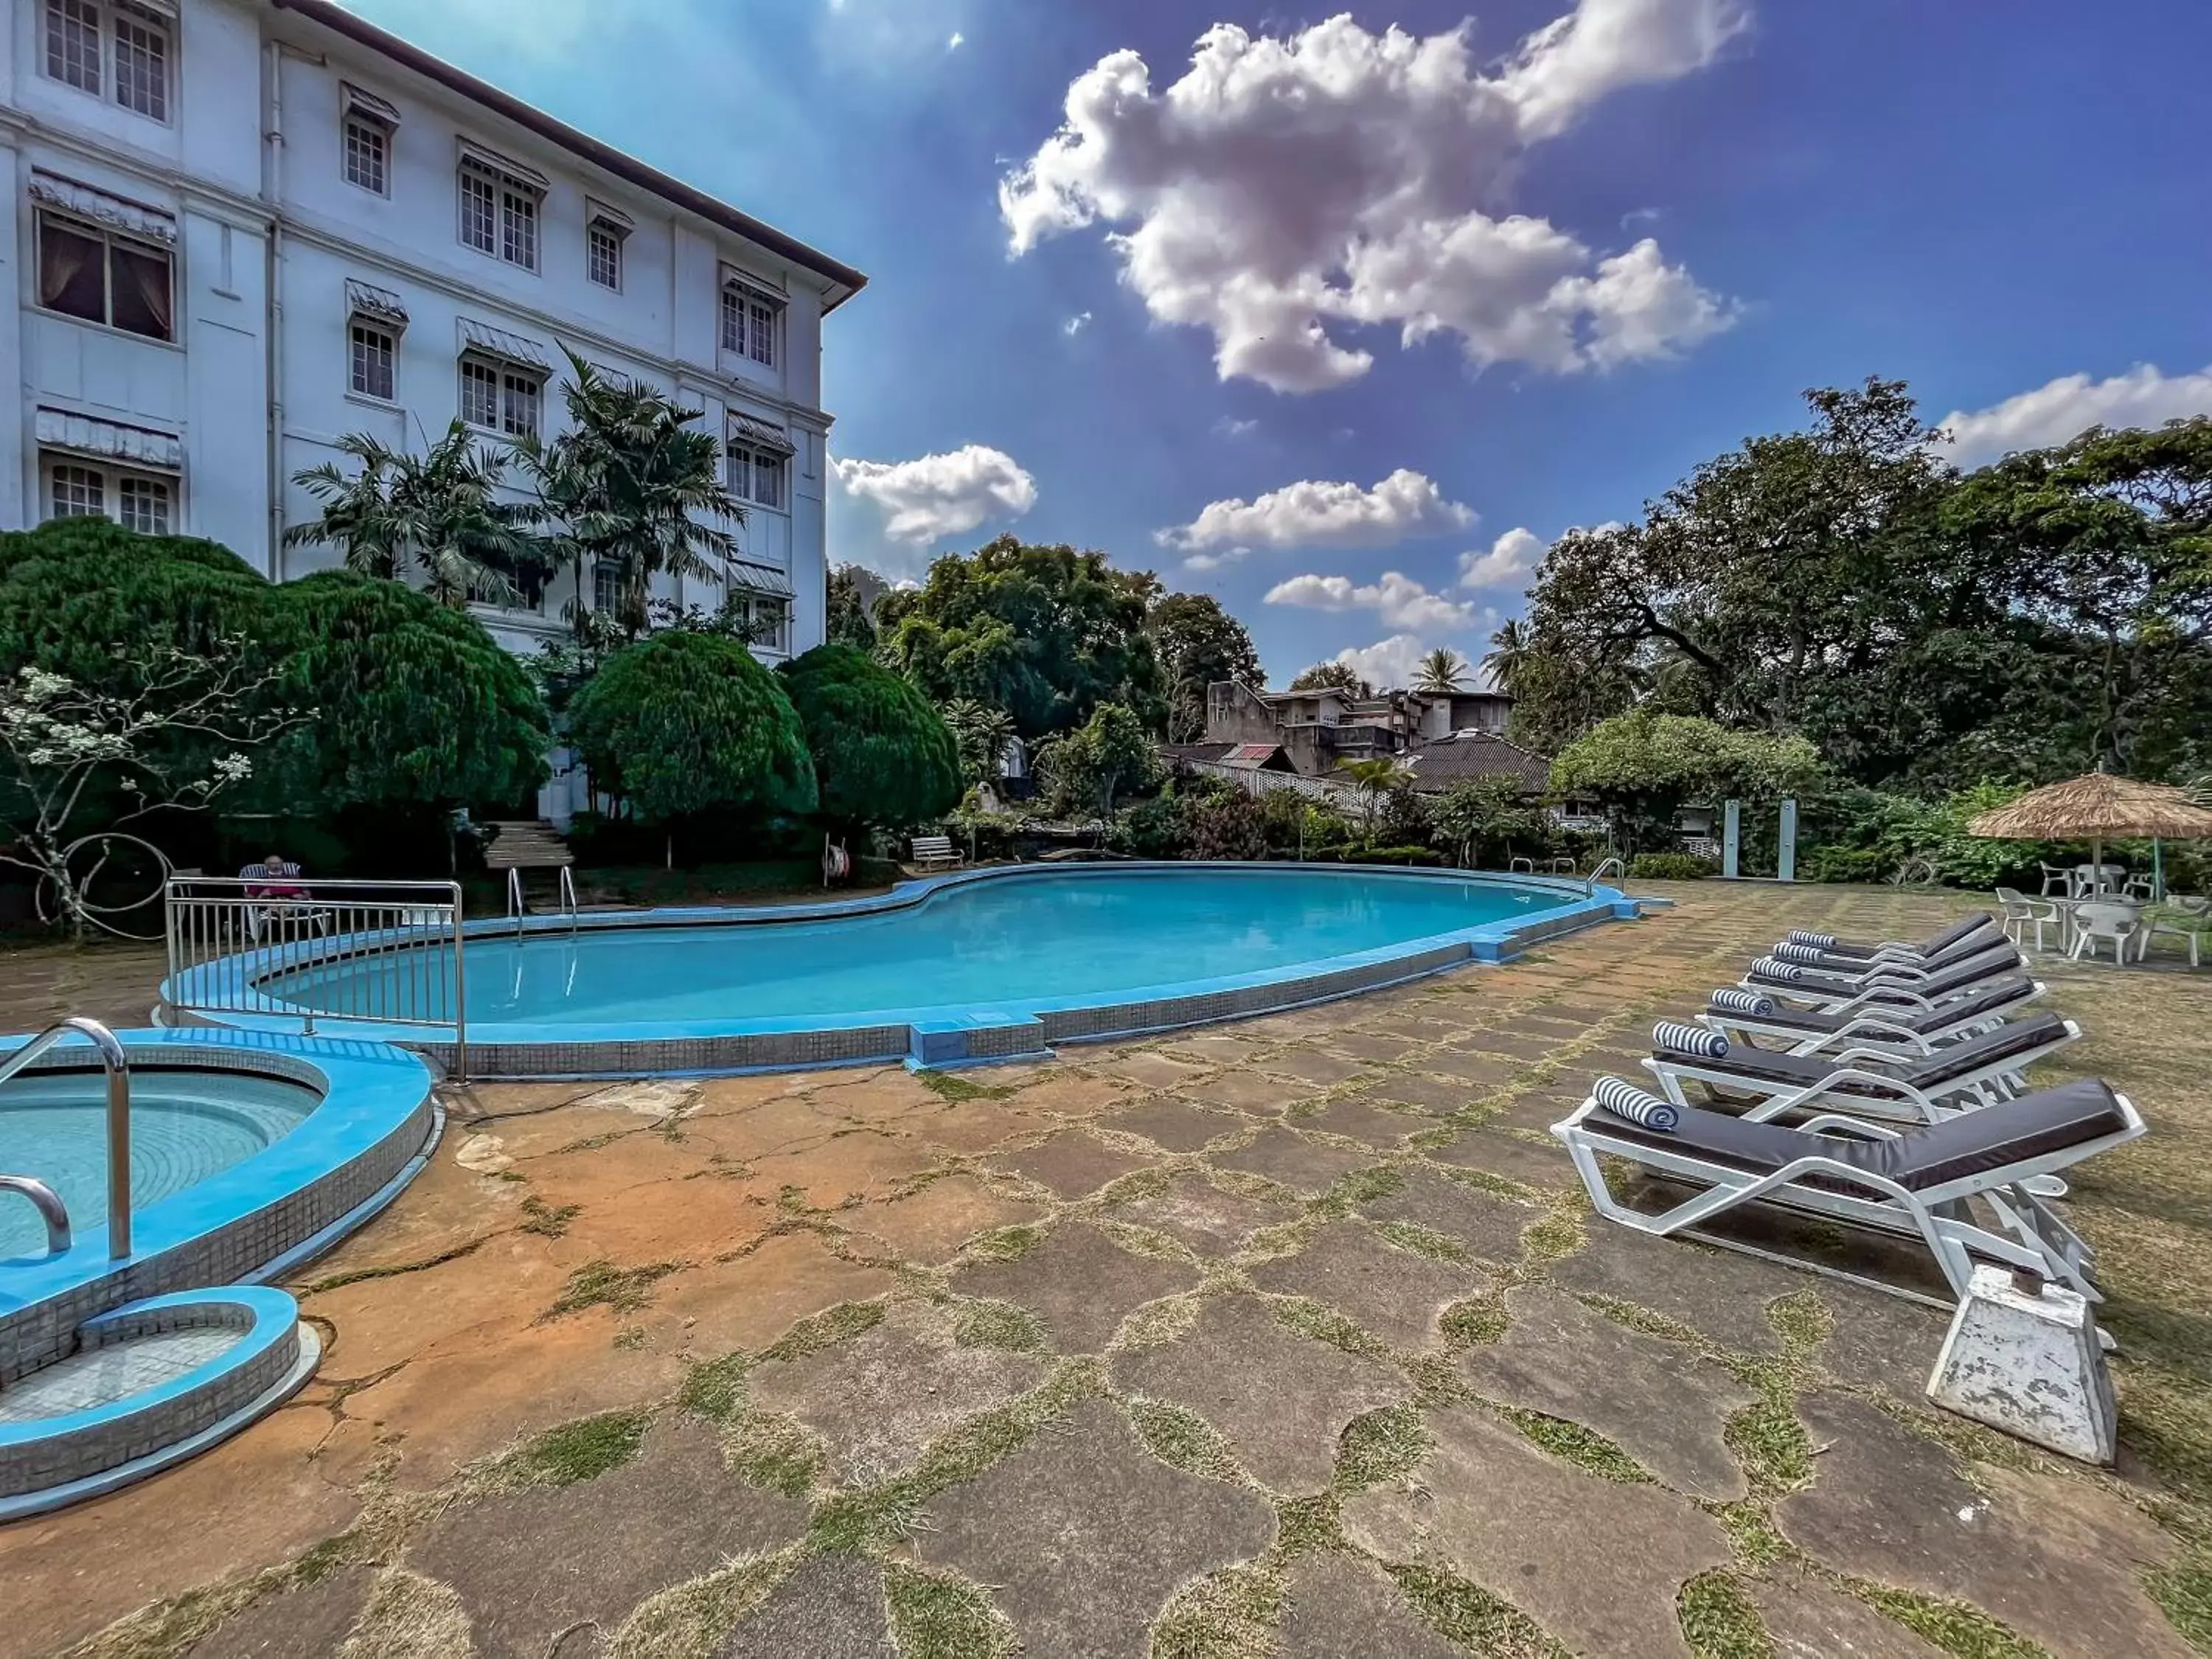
x: 1552, y: 262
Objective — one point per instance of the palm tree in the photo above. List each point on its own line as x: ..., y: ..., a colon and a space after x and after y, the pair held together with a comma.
x: 980, y: 733
x: 1377, y: 781
x: 1442, y: 670
x: 633, y: 484
x: 439, y: 512
x: 1511, y: 646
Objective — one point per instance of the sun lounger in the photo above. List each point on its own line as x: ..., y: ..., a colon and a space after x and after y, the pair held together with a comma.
x: 1836, y: 993
x: 1742, y: 1015
x: 1913, y: 1184
x: 1960, y: 937
x: 1855, y: 970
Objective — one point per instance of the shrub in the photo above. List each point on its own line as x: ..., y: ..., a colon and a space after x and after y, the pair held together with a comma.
x: 1427, y: 857
x: 686, y: 722
x: 1669, y: 867
x: 1227, y: 825
x: 1153, y: 828
x: 881, y: 754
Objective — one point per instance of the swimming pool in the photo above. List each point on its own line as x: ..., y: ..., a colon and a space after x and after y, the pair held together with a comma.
x: 185, y: 1127
x: 981, y: 964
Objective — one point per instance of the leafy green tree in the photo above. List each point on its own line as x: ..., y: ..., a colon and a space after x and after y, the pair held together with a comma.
x: 1339, y: 675
x: 631, y: 482
x: 1047, y: 633
x: 881, y: 754
x: 852, y: 592
x: 1645, y: 765
x: 682, y: 723
x: 415, y: 705
x: 1442, y: 670
x: 438, y: 514
x: 980, y: 734
x: 1481, y: 813
x: 1110, y: 753
x: 1507, y: 655
x: 1198, y: 643
x: 1377, y: 781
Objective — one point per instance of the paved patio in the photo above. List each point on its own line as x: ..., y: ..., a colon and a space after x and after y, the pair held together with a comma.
x: 1290, y: 1337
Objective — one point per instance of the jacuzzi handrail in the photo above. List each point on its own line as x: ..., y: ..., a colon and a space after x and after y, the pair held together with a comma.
x: 117, y: 1065
x: 48, y: 1203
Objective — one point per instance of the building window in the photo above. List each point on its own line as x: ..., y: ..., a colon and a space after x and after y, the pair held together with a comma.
x: 606, y: 587
x: 499, y: 216
x: 518, y: 228
x: 142, y: 63
x: 102, y: 277
x: 479, y: 212
x: 749, y: 317
x: 756, y: 476
x: 603, y: 254
x: 137, y: 500
x: 767, y: 618
x: 73, y: 44
x: 502, y: 398
x: 367, y: 151
x: 760, y: 340
x: 376, y: 360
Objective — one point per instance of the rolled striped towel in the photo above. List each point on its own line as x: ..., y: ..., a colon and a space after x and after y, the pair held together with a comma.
x: 1818, y: 941
x: 1735, y: 999
x: 1680, y: 1039
x: 1789, y: 952
x: 1769, y: 968
x: 1619, y: 1096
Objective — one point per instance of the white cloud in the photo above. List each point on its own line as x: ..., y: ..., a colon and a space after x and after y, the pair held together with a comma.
x: 1228, y: 428
x: 934, y: 496
x: 1395, y: 661
x: 1507, y: 562
x: 1400, y: 600
x: 2065, y: 408
x: 1205, y: 562
x: 1309, y: 513
x: 1282, y: 189
x: 1075, y: 325
x: 953, y: 44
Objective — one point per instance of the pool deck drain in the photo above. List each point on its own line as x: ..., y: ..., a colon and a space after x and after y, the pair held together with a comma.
x: 610, y: 1312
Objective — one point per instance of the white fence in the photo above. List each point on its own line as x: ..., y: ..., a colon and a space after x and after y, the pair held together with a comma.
x: 1255, y: 783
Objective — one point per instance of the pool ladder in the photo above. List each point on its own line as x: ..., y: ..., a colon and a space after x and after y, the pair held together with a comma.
x: 1616, y: 863
x: 515, y: 907
x: 48, y: 1202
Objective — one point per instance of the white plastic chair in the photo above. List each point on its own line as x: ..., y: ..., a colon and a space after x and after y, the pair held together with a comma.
x: 2094, y: 920
x: 2187, y: 927
x: 2057, y: 881
x: 2022, y: 913
x: 2095, y: 880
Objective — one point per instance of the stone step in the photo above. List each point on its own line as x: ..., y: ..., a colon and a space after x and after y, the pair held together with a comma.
x: 525, y: 846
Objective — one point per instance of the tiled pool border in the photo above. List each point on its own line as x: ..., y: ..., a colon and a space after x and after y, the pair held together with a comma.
x: 333, y: 1171
x: 932, y: 1038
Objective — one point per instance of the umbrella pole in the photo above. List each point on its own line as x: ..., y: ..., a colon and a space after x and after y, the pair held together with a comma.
x: 2158, y: 869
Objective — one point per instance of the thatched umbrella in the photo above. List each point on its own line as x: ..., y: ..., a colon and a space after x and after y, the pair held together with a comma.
x: 2094, y: 805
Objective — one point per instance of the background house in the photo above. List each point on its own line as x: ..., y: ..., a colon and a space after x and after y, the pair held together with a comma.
x: 1444, y: 738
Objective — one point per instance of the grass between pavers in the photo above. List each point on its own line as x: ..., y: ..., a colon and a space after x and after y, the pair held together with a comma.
x: 1473, y: 1617
x: 689, y: 1620
x: 600, y: 1284
x: 582, y: 1450
x: 2184, y: 1594
x: 990, y: 1323
x: 1181, y: 1438
x: 1719, y: 1619
x: 1417, y: 1240
x: 1585, y: 1448
x: 1953, y: 1626
x: 1228, y: 1614
x: 547, y: 1220
x: 942, y: 1615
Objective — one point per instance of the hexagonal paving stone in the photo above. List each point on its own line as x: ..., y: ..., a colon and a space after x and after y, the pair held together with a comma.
x: 1252, y: 1090
x: 1720, y: 1294
x: 529, y: 1564
x: 829, y: 1607
x: 1540, y: 1166
x: 1437, y: 1096
x: 1175, y: 1124
x: 1083, y: 1535
x: 1372, y: 1045
x: 973, y: 1126
x: 878, y: 1399
x: 1362, y: 1117
x: 1595, y: 1562
x: 2058, y: 1560
x: 1389, y: 1292
x: 1071, y: 1094
x: 1305, y: 1166
x: 1661, y: 1403
x: 1072, y: 1164
x: 1279, y: 1399
x: 1806, y: 1618
x: 310, y: 1622
x: 1313, y: 1065
x: 931, y: 1225
x: 1485, y: 1222
x: 1147, y: 1068
x: 1211, y: 1222
x: 1079, y: 1282
x: 1338, y: 1605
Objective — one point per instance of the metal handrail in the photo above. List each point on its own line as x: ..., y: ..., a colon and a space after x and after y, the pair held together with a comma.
x: 514, y: 906
x: 1616, y: 862
x: 49, y: 1205
x: 117, y: 1065
x: 569, y: 895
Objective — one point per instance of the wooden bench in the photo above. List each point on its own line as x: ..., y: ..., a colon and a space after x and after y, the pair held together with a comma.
x: 936, y: 853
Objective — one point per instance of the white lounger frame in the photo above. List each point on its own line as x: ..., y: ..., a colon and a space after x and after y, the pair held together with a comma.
x: 2032, y: 1237
x: 1877, y: 1028
x: 1879, y: 992
x: 2000, y: 1079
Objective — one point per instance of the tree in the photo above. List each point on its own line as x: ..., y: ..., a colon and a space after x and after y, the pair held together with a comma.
x: 1644, y: 766
x: 1198, y: 643
x: 1377, y: 781
x: 850, y: 618
x: 415, y: 705
x: 633, y: 484
x: 1507, y: 655
x: 1340, y: 676
x: 1091, y: 765
x: 980, y: 734
x: 881, y: 754
x: 682, y: 722
x: 59, y: 739
x: 1047, y: 633
x: 1442, y: 670
x: 1484, y: 810
x: 439, y: 514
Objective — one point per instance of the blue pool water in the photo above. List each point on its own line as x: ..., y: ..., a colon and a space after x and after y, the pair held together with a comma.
x: 185, y: 1127
x: 1001, y: 945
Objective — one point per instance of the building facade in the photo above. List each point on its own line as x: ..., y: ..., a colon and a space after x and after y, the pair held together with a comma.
x: 243, y: 228
x: 1324, y: 728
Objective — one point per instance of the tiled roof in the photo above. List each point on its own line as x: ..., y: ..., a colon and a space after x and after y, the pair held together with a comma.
x: 1467, y: 755
x: 1198, y: 751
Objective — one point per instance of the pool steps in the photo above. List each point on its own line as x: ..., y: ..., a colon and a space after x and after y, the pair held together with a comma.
x: 147, y: 1385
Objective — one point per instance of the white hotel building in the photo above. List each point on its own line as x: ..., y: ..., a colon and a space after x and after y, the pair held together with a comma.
x: 242, y: 228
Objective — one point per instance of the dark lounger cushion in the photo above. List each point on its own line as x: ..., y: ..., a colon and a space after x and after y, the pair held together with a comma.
x: 2007, y: 1041
x: 1999, y: 995
x: 1973, y: 1143
x: 1934, y: 945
